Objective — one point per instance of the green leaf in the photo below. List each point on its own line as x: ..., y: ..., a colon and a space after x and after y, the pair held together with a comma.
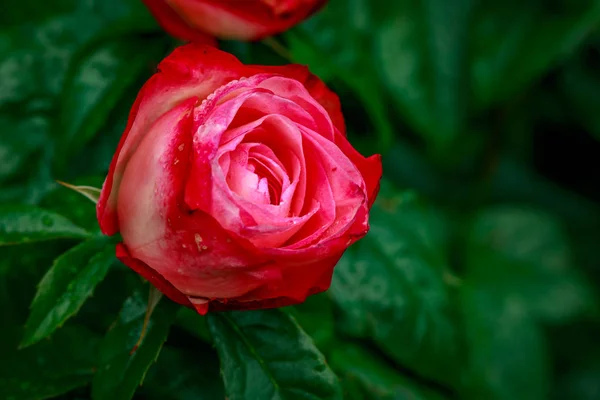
x: 514, y: 42
x: 390, y: 287
x: 266, y: 355
x: 184, y: 374
x: 524, y: 254
x: 100, y: 77
x: 25, y: 224
x: 50, y: 368
x: 315, y: 316
x: 120, y: 371
x: 375, y: 379
x: 66, y: 286
x: 422, y: 53
x: 507, y: 352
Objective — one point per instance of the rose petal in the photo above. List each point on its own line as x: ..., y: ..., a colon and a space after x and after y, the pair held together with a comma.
x: 190, y: 71
x: 297, y: 93
x: 315, y: 87
x: 151, y: 275
x: 147, y: 178
x: 189, y: 249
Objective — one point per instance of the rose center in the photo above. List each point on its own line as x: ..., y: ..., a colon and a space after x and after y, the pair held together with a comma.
x: 252, y: 174
x: 273, y: 186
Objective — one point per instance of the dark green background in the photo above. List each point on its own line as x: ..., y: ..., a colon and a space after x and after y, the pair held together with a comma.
x: 478, y: 280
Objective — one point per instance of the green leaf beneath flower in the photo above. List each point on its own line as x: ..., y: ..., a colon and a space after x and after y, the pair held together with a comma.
x: 391, y: 288
x: 66, y: 286
x: 25, y: 224
x: 266, y: 355
x: 121, y: 370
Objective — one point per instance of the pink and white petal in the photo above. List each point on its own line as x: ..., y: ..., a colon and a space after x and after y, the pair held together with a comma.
x: 315, y: 87
x: 147, y: 178
x: 322, y: 198
x: 295, y: 91
x: 190, y: 71
x: 289, y: 150
x: 346, y: 182
x: 269, y: 103
x: 281, y: 135
x: 207, y: 187
x: 156, y: 279
x: 212, y: 119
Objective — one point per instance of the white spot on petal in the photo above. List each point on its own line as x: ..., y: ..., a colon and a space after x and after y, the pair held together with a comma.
x: 198, y: 240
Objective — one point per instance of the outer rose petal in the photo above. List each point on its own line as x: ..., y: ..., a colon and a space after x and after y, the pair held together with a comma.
x: 190, y: 71
x: 300, y: 286
x: 231, y: 19
x: 152, y: 276
x: 370, y: 168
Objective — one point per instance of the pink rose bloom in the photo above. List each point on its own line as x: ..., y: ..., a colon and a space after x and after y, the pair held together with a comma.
x: 230, y: 19
x: 234, y: 186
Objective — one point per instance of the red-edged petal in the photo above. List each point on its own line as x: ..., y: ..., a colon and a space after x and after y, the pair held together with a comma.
x: 192, y: 70
x: 156, y: 279
x: 297, y: 283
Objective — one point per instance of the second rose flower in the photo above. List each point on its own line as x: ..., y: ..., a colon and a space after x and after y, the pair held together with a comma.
x: 198, y: 20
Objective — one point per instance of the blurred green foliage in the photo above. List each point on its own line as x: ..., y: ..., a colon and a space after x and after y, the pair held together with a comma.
x: 479, y: 278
